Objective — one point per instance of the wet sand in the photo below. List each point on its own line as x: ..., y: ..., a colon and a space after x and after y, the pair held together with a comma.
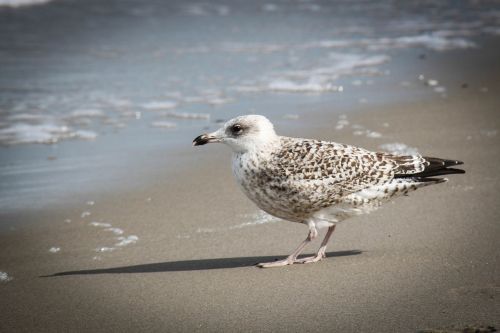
x: 427, y: 261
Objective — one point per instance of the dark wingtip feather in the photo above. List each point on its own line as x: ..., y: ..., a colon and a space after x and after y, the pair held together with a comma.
x: 450, y: 163
x: 447, y: 171
x: 433, y: 180
x: 435, y: 167
x: 438, y: 163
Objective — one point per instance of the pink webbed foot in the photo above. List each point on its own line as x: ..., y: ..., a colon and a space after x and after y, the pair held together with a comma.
x: 308, y: 260
x: 277, y: 263
x: 292, y: 259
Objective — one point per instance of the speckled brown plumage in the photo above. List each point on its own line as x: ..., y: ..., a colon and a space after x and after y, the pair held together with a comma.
x: 305, y: 176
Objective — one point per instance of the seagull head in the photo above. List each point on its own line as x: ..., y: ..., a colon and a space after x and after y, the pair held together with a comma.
x: 242, y: 134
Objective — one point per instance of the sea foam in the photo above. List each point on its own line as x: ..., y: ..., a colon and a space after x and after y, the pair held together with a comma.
x: 54, y: 249
x: 163, y: 124
x: 398, y: 148
x: 124, y: 241
x: 5, y: 277
x: 116, y: 231
x: 255, y: 219
x: 186, y: 115
x: 159, y: 105
x: 100, y: 224
x: 318, y: 79
x: 21, y: 3
x: 435, y: 41
x: 47, y: 133
x: 87, y: 113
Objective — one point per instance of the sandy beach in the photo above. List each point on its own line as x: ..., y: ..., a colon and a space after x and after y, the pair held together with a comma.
x: 190, y: 239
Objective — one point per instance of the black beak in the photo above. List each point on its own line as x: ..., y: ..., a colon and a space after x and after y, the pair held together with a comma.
x: 203, y: 139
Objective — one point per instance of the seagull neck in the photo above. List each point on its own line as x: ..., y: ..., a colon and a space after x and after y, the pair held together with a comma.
x: 261, y: 150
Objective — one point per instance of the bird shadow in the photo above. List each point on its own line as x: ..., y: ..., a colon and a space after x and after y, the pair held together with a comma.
x: 190, y: 265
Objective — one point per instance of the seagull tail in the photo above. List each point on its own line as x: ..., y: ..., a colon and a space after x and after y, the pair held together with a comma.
x: 434, y: 167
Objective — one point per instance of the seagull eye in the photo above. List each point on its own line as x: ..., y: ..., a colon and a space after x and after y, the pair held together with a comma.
x: 236, y: 129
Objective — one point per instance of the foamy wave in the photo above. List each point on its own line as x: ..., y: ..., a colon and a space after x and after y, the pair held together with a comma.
x: 432, y: 41
x: 87, y: 113
x: 252, y: 220
x: 259, y: 48
x: 85, y: 214
x: 314, y: 85
x: 319, y: 79
x: 342, y: 122
x: 186, y: 115
x: 105, y: 249
x: 163, y: 124
x: 291, y: 116
x: 368, y: 134
x: 117, y: 102
x: 28, y: 117
x: 116, y: 231
x: 373, y: 135
x: 4, y: 277
x: 84, y: 135
x: 21, y: 3
x: 205, y: 9
x: 361, y: 130
x: 340, y: 64
x: 47, y: 133
x: 398, y: 148
x: 100, y: 224
x: 256, y: 219
x: 218, y: 100
x: 54, y: 249
x: 107, y: 227
x: 159, y: 105
x: 124, y: 241
x: 438, y: 40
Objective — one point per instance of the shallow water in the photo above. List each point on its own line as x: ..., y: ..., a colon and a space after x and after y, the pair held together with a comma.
x: 89, y: 89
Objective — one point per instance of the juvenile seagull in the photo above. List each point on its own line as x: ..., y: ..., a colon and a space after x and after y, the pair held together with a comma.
x: 317, y: 183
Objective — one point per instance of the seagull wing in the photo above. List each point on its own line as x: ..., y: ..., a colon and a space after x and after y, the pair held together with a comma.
x: 340, y: 168
x: 347, y: 169
x: 305, y: 176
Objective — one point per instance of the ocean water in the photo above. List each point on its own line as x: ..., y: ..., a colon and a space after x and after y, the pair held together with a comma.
x: 91, y: 89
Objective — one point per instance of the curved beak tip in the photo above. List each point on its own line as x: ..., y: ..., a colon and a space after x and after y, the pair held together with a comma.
x: 201, y: 140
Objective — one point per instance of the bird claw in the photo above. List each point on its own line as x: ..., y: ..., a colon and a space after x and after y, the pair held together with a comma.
x: 291, y: 261
x: 278, y: 263
x: 308, y: 260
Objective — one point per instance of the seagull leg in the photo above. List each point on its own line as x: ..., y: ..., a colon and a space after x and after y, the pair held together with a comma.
x: 292, y: 258
x: 322, y: 249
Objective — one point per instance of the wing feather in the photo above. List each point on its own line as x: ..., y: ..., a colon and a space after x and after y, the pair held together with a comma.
x: 343, y: 168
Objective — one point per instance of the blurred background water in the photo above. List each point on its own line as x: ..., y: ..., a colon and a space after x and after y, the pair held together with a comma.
x: 91, y: 89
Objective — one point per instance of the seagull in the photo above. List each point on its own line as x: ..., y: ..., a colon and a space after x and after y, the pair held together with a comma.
x: 318, y: 183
